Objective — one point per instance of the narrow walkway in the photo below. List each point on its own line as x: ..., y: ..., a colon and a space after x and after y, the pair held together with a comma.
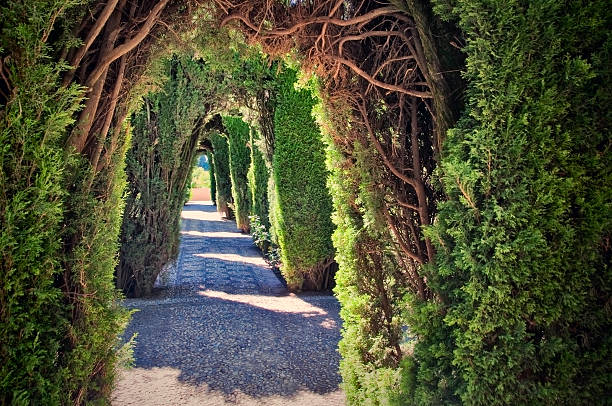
x: 225, y: 331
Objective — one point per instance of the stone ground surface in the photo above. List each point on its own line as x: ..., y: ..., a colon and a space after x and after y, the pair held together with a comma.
x: 223, y: 330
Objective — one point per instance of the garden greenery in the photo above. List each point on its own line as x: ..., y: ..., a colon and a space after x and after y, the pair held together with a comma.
x: 473, y: 246
x: 223, y: 184
x: 302, y: 210
x: 165, y: 134
x: 239, y: 161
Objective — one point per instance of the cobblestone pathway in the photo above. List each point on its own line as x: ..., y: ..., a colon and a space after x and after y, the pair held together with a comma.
x: 223, y: 329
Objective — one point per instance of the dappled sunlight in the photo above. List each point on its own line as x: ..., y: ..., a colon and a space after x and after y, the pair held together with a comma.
x: 193, y: 211
x: 252, y: 260
x: 282, y: 304
x: 216, y: 234
x: 163, y: 386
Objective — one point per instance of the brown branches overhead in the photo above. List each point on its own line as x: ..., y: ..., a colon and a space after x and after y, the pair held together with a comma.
x: 340, y: 39
x: 373, y: 57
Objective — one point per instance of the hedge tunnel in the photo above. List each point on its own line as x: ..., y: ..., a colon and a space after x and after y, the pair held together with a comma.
x: 450, y: 158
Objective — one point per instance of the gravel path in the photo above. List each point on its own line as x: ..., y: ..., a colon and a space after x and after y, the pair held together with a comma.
x: 223, y: 329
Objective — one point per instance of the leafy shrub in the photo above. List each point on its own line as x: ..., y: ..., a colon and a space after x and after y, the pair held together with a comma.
x: 367, y: 284
x: 302, y: 207
x: 523, y: 263
x: 258, y: 182
x: 59, y: 318
x: 159, y: 164
x: 223, y: 182
x: 263, y: 239
x: 213, y: 182
x: 239, y: 160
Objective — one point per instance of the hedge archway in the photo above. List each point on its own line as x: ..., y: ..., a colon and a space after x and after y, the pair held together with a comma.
x: 472, y: 211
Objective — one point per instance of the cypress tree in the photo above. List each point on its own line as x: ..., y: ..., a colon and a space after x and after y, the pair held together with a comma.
x: 258, y: 181
x: 302, y: 208
x: 223, y: 183
x: 239, y: 161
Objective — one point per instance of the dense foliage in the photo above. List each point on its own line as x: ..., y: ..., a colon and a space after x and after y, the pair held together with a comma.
x: 223, y: 183
x: 58, y: 317
x: 303, y: 206
x: 159, y: 164
x: 368, y: 284
x: 239, y: 161
x: 513, y: 308
x: 522, y: 270
x: 258, y: 182
x: 213, y: 184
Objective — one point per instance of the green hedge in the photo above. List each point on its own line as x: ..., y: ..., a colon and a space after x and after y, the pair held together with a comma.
x: 159, y: 164
x: 258, y: 182
x: 59, y: 318
x: 223, y: 183
x: 371, y: 294
x: 239, y: 160
x: 302, y: 203
x: 213, y: 185
x: 523, y: 261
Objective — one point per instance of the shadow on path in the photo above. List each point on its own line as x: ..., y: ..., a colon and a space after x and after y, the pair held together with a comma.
x: 226, y: 323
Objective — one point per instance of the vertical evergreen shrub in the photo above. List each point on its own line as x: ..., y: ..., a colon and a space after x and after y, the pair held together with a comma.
x: 367, y: 283
x: 258, y: 182
x: 213, y: 185
x: 33, y: 320
x: 223, y: 183
x: 302, y: 203
x: 523, y: 242
x: 159, y: 165
x: 239, y: 161
x: 59, y: 315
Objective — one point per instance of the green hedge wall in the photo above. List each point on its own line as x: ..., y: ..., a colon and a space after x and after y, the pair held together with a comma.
x: 159, y: 165
x: 223, y: 183
x: 302, y: 203
x: 59, y: 317
x: 239, y: 160
x: 258, y: 182
x: 32, y: 317
x: 213, y: 185
x: 523, y: 255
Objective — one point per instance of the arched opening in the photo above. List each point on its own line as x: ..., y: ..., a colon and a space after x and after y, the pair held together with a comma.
x: 467, y: 160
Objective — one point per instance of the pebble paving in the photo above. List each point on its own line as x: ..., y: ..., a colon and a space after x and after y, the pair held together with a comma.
x: 222, y: 329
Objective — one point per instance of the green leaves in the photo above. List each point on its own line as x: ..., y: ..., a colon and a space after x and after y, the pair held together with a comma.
x: 238, y: 134
x: 513, y: 240
x: 302, y: 217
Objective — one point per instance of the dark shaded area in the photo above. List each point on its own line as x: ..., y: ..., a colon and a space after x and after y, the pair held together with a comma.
x: 234, y: 346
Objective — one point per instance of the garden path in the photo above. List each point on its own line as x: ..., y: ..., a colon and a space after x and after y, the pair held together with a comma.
x: 223, y: 329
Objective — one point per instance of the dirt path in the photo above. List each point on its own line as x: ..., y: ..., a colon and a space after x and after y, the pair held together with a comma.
x: 225, y: 331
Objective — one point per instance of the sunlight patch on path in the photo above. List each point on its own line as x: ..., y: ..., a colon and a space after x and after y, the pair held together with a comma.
x: 215, y: 234
x: 253, y: 260
x: 282, y: 304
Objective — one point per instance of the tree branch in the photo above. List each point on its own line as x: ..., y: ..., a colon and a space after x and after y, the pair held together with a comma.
x: 378, y: 83
x: 129, y: 45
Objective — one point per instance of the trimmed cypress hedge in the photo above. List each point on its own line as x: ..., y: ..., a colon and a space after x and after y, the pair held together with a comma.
x: 239, y: 161
x: 159, y: 164
x: 213, y: 185
x: 371, y: 294
x: 59, y: 316
x: 523, y: 260
x: 223, y: 183
x: 302, y: 208
x: 258, y: 182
